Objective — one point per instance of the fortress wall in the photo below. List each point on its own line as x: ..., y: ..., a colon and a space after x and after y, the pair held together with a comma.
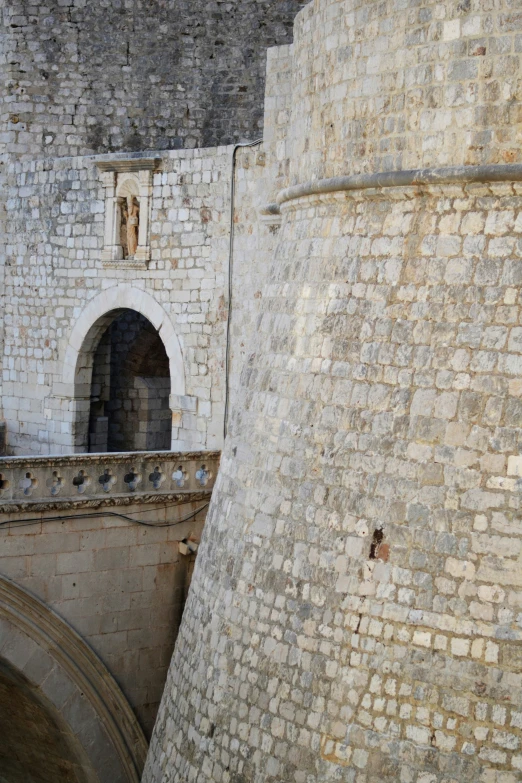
x: 91, y: 77
x: 53, y: 270
x: 121, y: 586
x: 82, y: 78
x: 355, y: 609
x: 278, y: 108
x: 404, y: 85
x: 320, y: 654
x: 260, y: 172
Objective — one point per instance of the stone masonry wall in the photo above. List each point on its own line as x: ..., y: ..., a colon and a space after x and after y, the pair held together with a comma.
x: 401, y: 419
x: 355, y: 612
x: 260, y: 173
x: 110, y: 75
x: 53, y: 270
x: 33, y: 737
x: 102, y: 77
x: 120, y: 585
x: 403, y: 85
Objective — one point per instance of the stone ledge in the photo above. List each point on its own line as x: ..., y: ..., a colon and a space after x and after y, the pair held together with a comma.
x: 106, y: 456
x: 182, y: 402
x: 67, y: 503
x: 127, y: 164
x: 389, y: 179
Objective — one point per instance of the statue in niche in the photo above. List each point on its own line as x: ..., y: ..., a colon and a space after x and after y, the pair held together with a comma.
x: 130, y: 225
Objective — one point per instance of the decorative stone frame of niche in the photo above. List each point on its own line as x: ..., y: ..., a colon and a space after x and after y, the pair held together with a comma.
x: 123, y: 178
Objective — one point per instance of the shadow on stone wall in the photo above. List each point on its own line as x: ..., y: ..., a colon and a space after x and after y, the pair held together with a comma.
x: 130, y: 388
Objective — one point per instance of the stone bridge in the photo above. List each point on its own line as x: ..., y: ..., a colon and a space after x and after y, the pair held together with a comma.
x: 93, y: 577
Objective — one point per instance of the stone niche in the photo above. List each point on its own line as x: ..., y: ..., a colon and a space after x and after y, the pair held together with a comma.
x: 128, y: 190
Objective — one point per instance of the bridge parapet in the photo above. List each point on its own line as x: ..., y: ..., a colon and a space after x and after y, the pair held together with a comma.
x: 43, y: 483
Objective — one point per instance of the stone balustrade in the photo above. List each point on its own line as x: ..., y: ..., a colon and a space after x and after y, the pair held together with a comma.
x: 41, y: 483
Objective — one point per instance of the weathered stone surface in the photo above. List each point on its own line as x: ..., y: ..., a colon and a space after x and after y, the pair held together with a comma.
x: 83, y: 77
x: 397, y: 86
x: 354, y: 611
x: 353, y: 666
x: 120, y: 585
x: 57, y: 286
x: 30, y: 725
x: 356, y: 608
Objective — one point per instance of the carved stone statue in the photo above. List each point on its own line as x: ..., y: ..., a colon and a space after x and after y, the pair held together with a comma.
x: 130, y: 225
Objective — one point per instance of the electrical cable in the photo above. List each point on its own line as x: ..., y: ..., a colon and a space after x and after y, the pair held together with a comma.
x: 94, y: 514
x: 229, y: 292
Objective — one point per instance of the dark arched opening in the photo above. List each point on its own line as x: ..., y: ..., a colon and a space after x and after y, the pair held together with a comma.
x: 36, y: 745
x: 129, y: 409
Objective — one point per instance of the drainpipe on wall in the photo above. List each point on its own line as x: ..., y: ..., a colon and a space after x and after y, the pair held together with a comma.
x: 229, y: 285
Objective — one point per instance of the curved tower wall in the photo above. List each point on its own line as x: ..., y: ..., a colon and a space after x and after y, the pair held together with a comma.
x: 389, y: 85
x: 355, y: 613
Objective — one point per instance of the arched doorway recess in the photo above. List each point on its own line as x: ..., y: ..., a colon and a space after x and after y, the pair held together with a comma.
x: 74, y: 385
x: 130, y: 388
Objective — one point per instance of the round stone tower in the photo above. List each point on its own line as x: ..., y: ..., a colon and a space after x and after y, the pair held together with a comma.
x: 356, y: 610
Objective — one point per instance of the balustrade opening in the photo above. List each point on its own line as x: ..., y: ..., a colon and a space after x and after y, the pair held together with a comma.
x: 130, y: 387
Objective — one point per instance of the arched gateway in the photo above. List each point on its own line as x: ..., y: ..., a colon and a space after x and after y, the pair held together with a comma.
x: 133, y: 309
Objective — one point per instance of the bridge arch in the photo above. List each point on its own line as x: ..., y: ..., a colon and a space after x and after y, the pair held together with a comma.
x: 93, y: 321
x: 35, y: 742
x: 81, y: 722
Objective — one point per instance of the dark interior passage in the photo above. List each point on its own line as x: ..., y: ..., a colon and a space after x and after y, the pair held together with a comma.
x: 36, y: 745
x: 130, y: 388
